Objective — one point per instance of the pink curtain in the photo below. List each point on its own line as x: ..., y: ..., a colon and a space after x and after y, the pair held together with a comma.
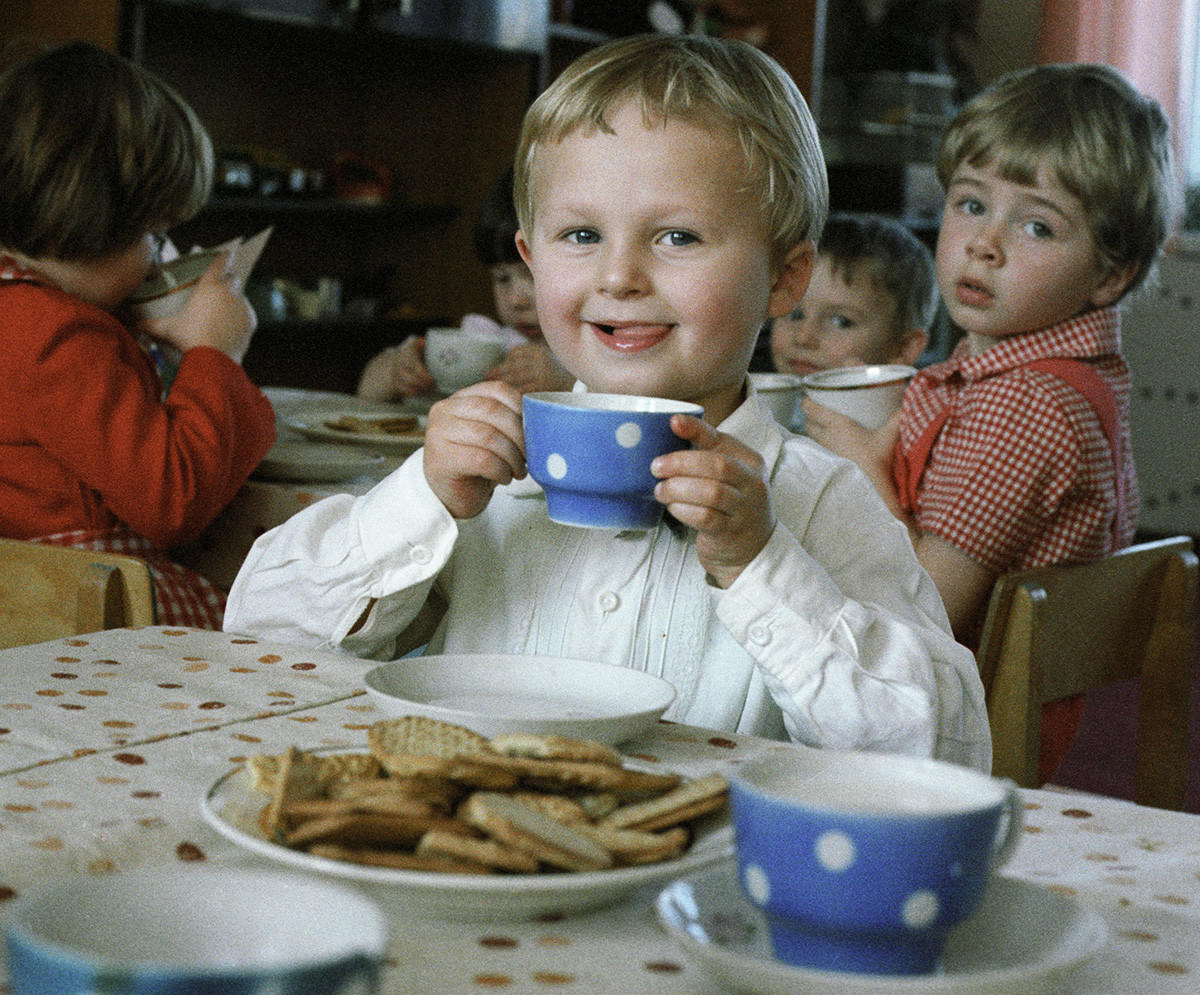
x: 1145, y: 39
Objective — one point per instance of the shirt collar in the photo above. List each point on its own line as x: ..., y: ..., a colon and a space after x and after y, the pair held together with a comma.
x: 1090, y: 335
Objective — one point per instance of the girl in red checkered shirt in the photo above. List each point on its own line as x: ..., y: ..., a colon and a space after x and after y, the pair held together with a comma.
x: 1015, y: 452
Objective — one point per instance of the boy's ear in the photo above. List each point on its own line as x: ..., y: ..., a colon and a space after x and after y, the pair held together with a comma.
x: 522, y: 246
x: 791, y: 283
x: 911, y: 346
x: 1113, y: 283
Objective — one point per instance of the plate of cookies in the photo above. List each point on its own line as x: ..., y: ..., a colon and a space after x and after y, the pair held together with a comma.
x: 497, y: 693
x: 438, y: 818
x: 394, y: 430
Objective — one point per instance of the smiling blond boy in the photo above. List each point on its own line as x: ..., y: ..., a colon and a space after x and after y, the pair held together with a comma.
x: 670, y: 191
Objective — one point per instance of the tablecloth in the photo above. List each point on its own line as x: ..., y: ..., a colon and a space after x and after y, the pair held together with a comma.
x: 108, y: 741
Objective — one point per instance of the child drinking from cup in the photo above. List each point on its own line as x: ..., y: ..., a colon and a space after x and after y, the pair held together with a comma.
x: 400, y: 371
x: 98, y: 158
x: 870, y: 300
x: 670, y: 189
x: 1015, y: 452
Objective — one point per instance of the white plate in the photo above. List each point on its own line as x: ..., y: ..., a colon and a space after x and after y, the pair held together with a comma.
x: 316, y: 461
x: 313, y: 425
x: 494, y: 694
x: 231, y: 806
x: 1023, y: 940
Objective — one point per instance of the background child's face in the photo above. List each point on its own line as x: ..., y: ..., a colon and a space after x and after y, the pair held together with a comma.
x: 104, y: 282
x: 651, y: 258
x: 512, y: 285
x: 837, y: 324
x: 1014, y: 258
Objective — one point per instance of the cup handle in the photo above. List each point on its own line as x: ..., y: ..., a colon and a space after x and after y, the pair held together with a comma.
x: 1014, y: 822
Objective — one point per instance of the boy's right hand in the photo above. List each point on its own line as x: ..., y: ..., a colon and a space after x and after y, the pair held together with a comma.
x: 474, y: 440
x: 217, y: 314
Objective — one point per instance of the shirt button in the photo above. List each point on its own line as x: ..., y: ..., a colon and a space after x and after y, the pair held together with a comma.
x: 421, y: 555
x: 609, y: 602
x: 759, y: 634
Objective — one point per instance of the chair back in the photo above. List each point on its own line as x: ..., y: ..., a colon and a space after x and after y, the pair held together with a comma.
x: 47, y: 592
x: 1055, y: 632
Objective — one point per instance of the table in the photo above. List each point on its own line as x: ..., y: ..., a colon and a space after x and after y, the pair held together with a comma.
x: 107, y: 742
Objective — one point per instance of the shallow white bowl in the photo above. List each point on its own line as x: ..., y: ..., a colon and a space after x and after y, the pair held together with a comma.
x: 494, y: 694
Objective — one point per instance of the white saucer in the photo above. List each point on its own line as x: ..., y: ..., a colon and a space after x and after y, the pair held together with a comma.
x: 493, y: 693
x: 1023, y: 939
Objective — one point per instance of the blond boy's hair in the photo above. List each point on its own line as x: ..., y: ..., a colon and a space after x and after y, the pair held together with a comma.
x: 693, y: 77
x: 1107, y: 144
x: 95, y: 153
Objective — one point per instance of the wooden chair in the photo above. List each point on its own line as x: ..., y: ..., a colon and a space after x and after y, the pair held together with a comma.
x: 1060, y: 631
x: 47, y: 592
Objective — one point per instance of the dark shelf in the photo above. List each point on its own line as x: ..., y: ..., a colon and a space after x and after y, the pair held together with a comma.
x: 411, y: 214
x: 559, y: 31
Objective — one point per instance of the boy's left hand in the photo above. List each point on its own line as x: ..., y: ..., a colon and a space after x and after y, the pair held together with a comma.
x: 531, y: 366
x: 719, y: 488
x: 873, y: 451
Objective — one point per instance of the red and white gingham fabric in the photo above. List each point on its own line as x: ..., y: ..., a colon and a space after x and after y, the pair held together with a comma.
x: 181, y: 596
x: 1022, y: 473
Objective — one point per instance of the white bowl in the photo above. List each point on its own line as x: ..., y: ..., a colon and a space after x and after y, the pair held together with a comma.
x: 868, y: 394
x: 457, y: 358
x: 166, y: 292
x: 494, y: 694
x: 217, y: 930
x: 781, y: 393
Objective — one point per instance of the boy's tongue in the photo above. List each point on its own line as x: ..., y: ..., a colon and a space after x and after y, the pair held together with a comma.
x: 634, y: 337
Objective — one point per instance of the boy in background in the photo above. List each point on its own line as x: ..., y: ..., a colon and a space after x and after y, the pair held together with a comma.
x: 98, y: 159
x: 871, y: 299
x: 528, y: 365
x: 670, y: 191
x: 1015, y: 452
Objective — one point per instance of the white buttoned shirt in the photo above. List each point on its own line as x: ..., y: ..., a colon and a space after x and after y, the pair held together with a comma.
x: 833, y: 636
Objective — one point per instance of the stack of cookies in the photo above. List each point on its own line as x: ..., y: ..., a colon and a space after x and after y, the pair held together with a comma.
x: 433, y: 796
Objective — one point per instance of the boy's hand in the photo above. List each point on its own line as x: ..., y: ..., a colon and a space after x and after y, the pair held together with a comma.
x: 474, y: 440
x: 396, y: 372
x: 873, y: 451
x: 531, y: 366
x: 217, y: 314
x: 408, y: 370
x: 719, y: 488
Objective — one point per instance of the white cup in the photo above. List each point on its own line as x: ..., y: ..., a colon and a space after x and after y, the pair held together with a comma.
x: 868, y: 394
x: 458, y: 358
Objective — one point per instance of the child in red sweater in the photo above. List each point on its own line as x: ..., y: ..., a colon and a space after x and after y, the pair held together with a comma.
x: 98, y: 159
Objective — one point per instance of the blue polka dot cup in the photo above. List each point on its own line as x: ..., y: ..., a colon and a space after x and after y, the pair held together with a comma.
x: 862, y: 862
x: 592, y: 452
x: 177, y: 931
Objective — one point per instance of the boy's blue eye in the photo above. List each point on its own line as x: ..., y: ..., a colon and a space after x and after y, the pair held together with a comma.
x: 1039, y: 229
x: 969, y: 205
x: 582, y: 236
x: 678, y: 239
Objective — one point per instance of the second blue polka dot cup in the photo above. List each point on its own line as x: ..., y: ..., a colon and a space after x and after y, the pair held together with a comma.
x: 862, y: 862
x: 592, y: 452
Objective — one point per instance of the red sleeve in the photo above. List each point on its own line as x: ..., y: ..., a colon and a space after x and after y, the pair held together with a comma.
x: 86, y: 394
